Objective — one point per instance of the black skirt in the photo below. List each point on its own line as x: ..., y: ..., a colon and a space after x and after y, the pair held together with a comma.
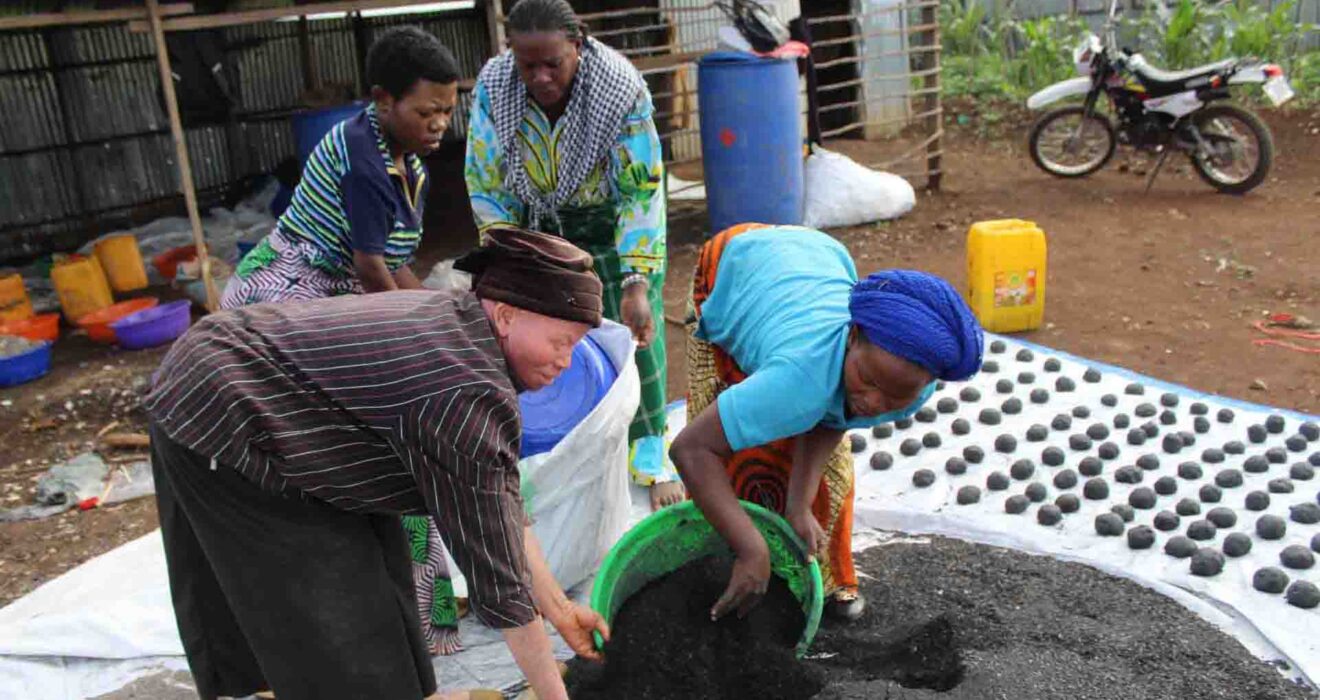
x: 285, y: 593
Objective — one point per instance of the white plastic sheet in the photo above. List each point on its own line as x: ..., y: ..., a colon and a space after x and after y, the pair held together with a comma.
x: 841, y: 192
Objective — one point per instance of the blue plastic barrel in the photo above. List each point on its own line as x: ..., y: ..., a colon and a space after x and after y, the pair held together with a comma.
x: 751, y: 139
x: 551, y: 413
x: 310, y: 126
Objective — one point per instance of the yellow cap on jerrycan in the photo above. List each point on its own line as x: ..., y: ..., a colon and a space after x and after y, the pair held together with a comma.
x: 1006, y: 274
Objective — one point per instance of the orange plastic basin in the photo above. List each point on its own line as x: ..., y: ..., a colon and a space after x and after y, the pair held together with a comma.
x: 40, y: 327
x: 97, y: 323
x: 167, y: 263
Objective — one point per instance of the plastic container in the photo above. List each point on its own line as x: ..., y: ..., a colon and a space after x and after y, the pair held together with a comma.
x: 14, y: 302
x: 121, y: 259
x: 550, y: 413
x: 1006, y: 274
x: 155, y: 326
x: 674, y: 536
x: 751, y: 139
x: 97, y: 323
x: 310, y: 126
x: 81, y: 286
x: 24, y: 367
x: 167, y: 263
x: 41, y: 327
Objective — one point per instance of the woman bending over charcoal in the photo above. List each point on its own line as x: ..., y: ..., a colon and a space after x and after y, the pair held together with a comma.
x: 786, y: 351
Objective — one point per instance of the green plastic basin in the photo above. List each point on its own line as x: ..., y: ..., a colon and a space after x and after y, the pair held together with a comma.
x: 679, y: 534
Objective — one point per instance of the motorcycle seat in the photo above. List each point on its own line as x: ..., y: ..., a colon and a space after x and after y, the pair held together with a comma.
x: 1163, y: 82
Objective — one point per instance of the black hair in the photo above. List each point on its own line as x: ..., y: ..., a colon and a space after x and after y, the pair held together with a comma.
x: 403, y: 55
x: 545, y: 16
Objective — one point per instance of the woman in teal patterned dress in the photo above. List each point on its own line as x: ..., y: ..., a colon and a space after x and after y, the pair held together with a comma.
x: 561, y: 139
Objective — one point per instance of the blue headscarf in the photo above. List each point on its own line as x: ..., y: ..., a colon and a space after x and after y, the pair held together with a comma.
x: 920, y: 318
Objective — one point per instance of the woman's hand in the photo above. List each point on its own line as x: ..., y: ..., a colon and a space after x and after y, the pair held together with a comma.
x: 575, y: 623
x: 635, y: 313
x: 747, y: 583
x: 808, y: 528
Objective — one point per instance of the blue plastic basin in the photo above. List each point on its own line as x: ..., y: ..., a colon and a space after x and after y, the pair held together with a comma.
x: 26, y: 366
x: 551, y: 413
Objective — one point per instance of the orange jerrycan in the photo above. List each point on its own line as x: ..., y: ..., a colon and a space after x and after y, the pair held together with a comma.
x: 14, y: 302
x: 1006, y: 274
x: 121, y: 260
x: 81, y: 286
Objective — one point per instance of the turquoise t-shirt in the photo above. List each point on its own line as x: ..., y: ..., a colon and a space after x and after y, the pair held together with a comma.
x: 780, y: 309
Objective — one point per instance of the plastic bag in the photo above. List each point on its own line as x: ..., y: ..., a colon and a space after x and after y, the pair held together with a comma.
x: 841, y: 192
x: 444, y: 276
x: 577, y: 494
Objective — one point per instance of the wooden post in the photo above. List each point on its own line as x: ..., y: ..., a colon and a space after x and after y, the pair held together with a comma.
x: 495, y: 26
x: 181, y: 151
x: 931, y: 83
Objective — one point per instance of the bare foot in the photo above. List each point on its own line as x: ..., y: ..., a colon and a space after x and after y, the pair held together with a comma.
x: 667, y: 494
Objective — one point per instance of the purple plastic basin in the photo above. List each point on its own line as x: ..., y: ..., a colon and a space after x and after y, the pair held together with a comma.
x: 24, y: 367
x: 155, y: 326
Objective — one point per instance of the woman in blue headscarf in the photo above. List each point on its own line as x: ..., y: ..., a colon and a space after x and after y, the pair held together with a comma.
x: 787, y: 349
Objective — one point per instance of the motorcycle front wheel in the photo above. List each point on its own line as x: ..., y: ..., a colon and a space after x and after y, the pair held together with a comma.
x: 1066, y: 142
x: 1238, y: 149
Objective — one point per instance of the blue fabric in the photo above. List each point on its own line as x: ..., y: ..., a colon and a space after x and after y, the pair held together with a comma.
x: 780, y: 310
x: 920, y: 318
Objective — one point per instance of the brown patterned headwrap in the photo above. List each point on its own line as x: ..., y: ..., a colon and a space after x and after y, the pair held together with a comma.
x: 537, y: 272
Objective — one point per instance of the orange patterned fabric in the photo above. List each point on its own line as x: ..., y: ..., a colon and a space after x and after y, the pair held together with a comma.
x: 761, y: 474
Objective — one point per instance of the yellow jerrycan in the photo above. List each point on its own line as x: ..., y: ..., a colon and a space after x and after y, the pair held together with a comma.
x: 1006, y: 274
x: 81, y: 285
x: 14, y: 302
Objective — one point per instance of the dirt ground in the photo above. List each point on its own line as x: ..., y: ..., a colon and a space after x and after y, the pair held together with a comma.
x: 1166, y: 283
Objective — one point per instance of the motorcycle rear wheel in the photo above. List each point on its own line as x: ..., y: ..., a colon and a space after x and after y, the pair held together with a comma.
x: 1238, y: 133
x: 1065, y: 142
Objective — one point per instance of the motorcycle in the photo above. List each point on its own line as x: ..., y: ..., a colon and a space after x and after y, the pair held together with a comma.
x: 1157, y: 111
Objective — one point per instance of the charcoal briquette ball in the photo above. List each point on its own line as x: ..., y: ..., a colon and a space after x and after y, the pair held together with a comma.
x: 1225, y: 415
x: 857, y: 443
x: 1271, y: 527
x: 973, y: 454
x: 1210, y: 493
x: 882, y: 431
x: 1201, y: 425
x: 1255, y: 464
x: 1275, y: 424
x: 1039, y: 396
x: 1128, y: 475
x: 1202, y: 530
x: 1212, y: 455
x: 881, y: 461
x: 1062, y: 421
x: 955, y: 466
x: 1142, y: 498
x: 1109, y: 400
x: 1280, y: 486
x: 1276, y: 455
x: 1016, y: 504
x: 1150, y: 462
x: 1150, y: 429
x: 1053, y: 365
x: 922, y: 478
x: 1172, y: 444
x: 1237, y: 544
x: 1036, y: 492
x: 1310, y: 431
x: 1079, y: 442
x: 1065, y: 479
x: 1026, y: 378
x: 1064, y: 384
x: 1049, y: 514
x: 1296, y: 556
x: 1109, y: 525
x: 989, y: 367
x: 1188, y: 439
x: 910, y: 447
x: 1256, y: 434
x: 1166, y: 486
x: 1222, y: 517
x: 1198, y: 409
x: 1122, y: 421
x: 903, y: 423
x: 1136, y: 437
x: 1207, y: 562
x: 1180, y: 547
x: 969, y: 394
x: 926, y: 415
x: 998, y: 346
x: 990, y: 416
x: 1068, y: 503
x: 961, y: 426
x: 997, y: 481
x: 1091, y: 375
x: 1258, y: 501
x: 1269, y: 580
x: 1303, y: 594
x: 1168, y: 418
x: 1188, y: 507
x: 1296, y: 443
x: 1022, y: 469
x: 931, y: 440
x: 1107, y: 450
x: 1189, y: 471
x: 1166, y: 521
x: 1025, y: 355
x: 1168, y: 400
x: 1124, y: 511
x: 1096, y: 489
x: 1140, y: 537
x: 1012, y: 407
x: 1314, y: 459
x: 1051, y: 456
x: 1144, y: 410
x: 1005, y: 443
x: 1228, y: 479
x: 1234, y: 447
x: 1004, y: 386
x: 1315, y: 542
x: 1305, y: 513
x: 968, y: 495
x: 1081, y: 412
x: 1302, y: 471
x: 1038, y: 433
x: 1098, y: 431
x: 1134, y: 389
x: 947, y: 404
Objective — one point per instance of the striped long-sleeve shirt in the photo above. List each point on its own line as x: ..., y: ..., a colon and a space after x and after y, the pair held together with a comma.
x: 398, y: 402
